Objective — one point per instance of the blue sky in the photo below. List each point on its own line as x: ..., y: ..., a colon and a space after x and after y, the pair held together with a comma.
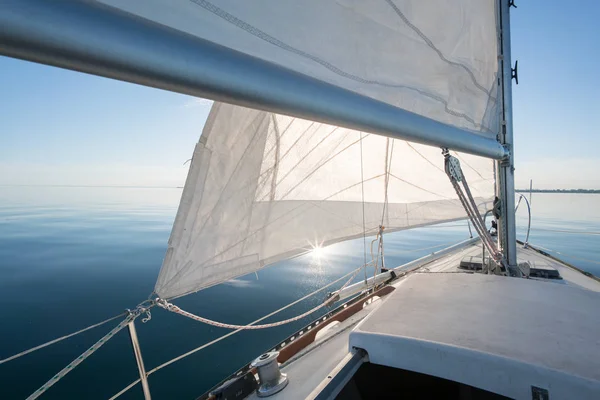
x: 556, y: 103
x: 62, y: 127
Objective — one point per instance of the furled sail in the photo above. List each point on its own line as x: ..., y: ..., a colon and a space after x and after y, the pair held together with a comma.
x: 263, y: 187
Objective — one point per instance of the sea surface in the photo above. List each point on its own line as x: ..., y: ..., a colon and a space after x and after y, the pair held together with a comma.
x: 72, y: 256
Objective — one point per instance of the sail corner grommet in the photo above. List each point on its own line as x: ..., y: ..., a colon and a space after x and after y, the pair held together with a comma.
x: 271, y: 379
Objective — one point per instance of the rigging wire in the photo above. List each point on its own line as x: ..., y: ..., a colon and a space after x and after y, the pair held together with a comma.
x: 431, y: 247
x: 566, y: 255
x: 362, y: 187
x: 130, y: 318
x: 41, y: 346
x: 455, y: 175
x: 570, y: 231
x: 220, y: 338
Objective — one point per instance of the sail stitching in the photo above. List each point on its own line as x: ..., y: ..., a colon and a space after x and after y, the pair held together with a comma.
x: 294, y: 145
x: 276, y: 42
x: 424, y: 158
x: 441, y: 55
x: 419, y: 187
x: 280, y: 136
x: 316, y: 146
x: 324, y: 161
x: 250, y: 144
x: 276, y: 160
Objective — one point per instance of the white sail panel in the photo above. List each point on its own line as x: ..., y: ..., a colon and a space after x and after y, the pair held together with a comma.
x: 264, y: 187
x: 435, y: 58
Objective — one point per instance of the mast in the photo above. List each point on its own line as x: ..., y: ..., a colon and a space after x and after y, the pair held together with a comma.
x: 505, y: 168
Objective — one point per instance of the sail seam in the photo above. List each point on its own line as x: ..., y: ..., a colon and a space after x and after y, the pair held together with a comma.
x: 324, y: 161
x: 268, y: 153
x: 419, y: 187
x: 424, y: 158
x: 441, y: 55
x: 319, y: 126
x: 208, y: 216
x: 305, y: 156
x: 251, y: 143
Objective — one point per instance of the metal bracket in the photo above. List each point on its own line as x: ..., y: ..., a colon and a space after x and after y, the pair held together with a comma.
x: 506, y: 160
x: 511, y: 3
x: 497, y: 209
x: 538, y: 393
x: 514, y: 72
x: 453, y: 169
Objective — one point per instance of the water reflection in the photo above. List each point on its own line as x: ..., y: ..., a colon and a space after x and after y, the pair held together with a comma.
x: 74, y: 256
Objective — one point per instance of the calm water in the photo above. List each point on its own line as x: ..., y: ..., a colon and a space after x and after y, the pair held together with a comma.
x: 70, y: 257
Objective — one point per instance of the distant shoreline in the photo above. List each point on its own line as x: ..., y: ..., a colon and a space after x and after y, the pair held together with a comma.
x: 585, y: 191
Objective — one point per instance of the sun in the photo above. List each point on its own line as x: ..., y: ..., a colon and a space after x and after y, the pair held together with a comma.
x: 318, y: 252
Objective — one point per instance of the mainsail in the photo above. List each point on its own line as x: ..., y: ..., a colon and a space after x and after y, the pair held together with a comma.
x: 437, y: 59
x: 263, y: 187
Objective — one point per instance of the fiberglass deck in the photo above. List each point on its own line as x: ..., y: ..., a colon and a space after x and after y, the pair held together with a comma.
x: 543, y: 330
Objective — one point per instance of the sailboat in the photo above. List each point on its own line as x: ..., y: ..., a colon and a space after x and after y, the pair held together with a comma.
x: 337, y: 120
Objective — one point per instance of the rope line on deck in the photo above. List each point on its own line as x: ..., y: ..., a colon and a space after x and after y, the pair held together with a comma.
x: 41, y: 346
x: 173, y: 308
x: 220, y: 338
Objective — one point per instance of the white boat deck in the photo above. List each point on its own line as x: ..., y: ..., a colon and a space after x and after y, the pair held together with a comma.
x: 494, y: 333
x: 544, y: 327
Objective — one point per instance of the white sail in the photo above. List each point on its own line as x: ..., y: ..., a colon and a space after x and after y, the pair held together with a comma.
x: 434, y: 58
x: 263, y: 187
